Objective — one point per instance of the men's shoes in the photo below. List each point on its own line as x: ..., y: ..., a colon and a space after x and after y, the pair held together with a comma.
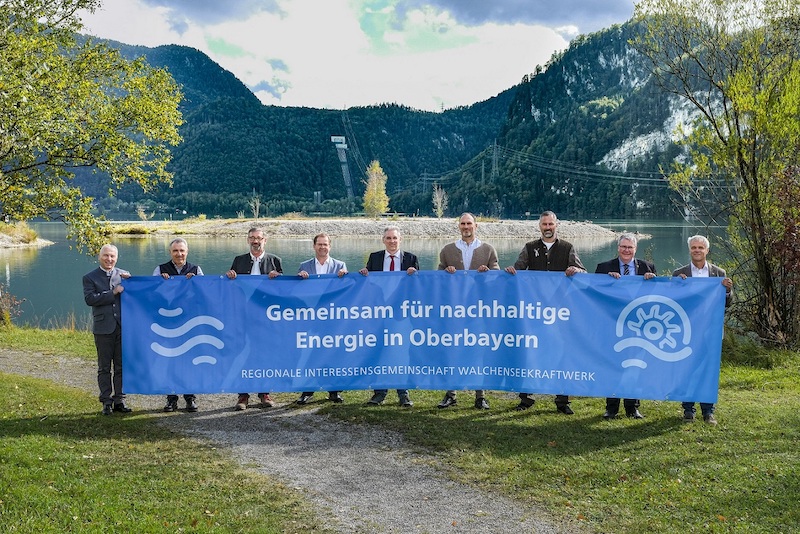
x: 266, y: 400
x: 304, y: 398
x: 191, y: 406
x: 610, y: 415
x: 378, y: 398
x: 635, y: 414
x: 524, y: 403
x: 565, y: 409
x: 334, y: 396
x: 709, y: 418
x: 108, y: 409
x: 171, y: 406
x: 120, y: 407
x: 481, y: 403
x: 688, y: 417
x: 447, y: 401
x: 405, y: 402
x: 241, y: 404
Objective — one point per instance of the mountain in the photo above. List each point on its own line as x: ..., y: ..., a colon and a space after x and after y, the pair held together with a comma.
x: 583, y: 135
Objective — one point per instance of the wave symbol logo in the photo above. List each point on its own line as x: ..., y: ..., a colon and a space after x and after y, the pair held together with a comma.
x: 181, y: 331
x: 657, y: 324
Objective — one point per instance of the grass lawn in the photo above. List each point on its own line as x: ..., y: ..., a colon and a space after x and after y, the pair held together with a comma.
x: 652, y: 475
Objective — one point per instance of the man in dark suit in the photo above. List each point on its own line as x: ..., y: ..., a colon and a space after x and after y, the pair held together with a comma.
x: 467, y: 254
x: 321, y: 263
x: 179, y: 266
x: 255, y: 262
x: 548, y: 253
x: 101, y: 290
x: 391, y: 259
x: 701, y: 268
x: 625, y: 264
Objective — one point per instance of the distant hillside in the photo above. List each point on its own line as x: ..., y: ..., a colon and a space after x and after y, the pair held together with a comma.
x: 583, y: 135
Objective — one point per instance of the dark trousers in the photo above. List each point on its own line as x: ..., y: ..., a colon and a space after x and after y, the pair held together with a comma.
x: 109, y: 355
x: 174, y: 398
x: 612, y: 405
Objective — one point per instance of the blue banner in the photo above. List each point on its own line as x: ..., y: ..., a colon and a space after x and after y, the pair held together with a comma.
x: 538, y: 332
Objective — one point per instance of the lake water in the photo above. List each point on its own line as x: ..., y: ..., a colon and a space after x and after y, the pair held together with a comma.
x: 49, y: 279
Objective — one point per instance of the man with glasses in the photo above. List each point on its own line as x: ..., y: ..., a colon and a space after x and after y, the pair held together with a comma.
x: 256, y: 262
x: 625, y: 264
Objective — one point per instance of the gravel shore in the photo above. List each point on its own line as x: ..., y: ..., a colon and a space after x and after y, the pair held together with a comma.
x: 361, y: 479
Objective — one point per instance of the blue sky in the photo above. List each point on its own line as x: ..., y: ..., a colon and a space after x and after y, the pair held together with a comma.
x: 337, y: 54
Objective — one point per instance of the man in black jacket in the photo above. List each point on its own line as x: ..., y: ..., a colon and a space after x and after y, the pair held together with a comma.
x: 625, y: 264
x: 548, y: 253
x: 255, y: 262
x: 391, y: 259
x: 178, y: 266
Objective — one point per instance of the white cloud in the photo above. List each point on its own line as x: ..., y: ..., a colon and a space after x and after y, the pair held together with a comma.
x: 336, y: 54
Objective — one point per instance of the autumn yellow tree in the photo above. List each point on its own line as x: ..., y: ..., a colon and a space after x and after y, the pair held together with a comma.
x: 376, y: 201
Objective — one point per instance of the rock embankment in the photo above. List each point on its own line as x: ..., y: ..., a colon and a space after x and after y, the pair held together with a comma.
x: 410, y: 227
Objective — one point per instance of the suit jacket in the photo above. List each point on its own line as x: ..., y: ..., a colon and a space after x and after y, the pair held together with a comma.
x: 244, y: 263
x: 713, y: 271
x: 483, y: 255
x: 375, y: 261
x: 612, y: 266
x: 106, y: 306
x: 310, y: 266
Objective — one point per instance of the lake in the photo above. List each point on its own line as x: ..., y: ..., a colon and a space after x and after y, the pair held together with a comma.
x: 49, y: 279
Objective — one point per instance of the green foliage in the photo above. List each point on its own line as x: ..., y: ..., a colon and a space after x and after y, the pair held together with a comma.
x: 736, y: 64
x: 65, y: 105
x: 376, y: 201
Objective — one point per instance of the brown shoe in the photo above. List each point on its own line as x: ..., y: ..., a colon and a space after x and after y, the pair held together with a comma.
x: 241, y: 404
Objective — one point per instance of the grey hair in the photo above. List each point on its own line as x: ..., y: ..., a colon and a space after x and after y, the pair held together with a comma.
x: 629, y: 236
x: 703, y: 239
x: 178, y: 240
x: 390, y: 228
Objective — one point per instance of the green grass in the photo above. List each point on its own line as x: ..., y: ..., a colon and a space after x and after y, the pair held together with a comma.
x: 66, y: 469
x: 654, y: 475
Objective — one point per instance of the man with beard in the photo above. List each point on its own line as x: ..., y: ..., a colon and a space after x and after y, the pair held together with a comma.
x: 548, y: 253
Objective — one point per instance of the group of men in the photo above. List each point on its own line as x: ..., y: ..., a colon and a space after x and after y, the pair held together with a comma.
x: 102, y: 291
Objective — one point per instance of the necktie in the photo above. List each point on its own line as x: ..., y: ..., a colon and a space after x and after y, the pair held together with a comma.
x: 626, y: 270
x: 256, y: 266
x: 391, y: 263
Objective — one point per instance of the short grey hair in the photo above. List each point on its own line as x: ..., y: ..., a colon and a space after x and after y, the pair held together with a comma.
x: 178, y: 240
x: 703, y: 239
x: 390, y: 228
x: 627, y: 236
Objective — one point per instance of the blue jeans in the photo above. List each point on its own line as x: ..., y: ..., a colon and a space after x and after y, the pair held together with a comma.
x: 706, y: 408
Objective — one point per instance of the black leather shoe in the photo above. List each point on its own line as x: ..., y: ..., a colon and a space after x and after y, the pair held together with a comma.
x: 609, y: 415
x: 304, y: 398
x: 108, y: 409
x: 334, y: 396
x: 191, y: 406
x: 171, y: 406
x: 377, y: 399
x: 524, y: 404
x: 120, y: 407
x: 405, y: 401
x: 634, y: 415
x: 565, y: 409
x: 447, y: 401
x: 481, y: 403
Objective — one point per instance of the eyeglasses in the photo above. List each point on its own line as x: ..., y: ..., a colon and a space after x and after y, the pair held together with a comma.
x: 626, y: 247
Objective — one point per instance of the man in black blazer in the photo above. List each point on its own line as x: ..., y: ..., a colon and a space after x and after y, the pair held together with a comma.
x: 255, y: 262
x: 101, y: 290
x: 625, y: 264
x: 702, y: 268
x: 391, y: 259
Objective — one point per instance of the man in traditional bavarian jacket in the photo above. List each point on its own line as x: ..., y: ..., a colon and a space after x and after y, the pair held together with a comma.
x: 178, y: 266
x: 548, y: 253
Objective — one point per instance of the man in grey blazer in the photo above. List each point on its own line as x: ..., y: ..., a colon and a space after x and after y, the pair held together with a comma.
x: 625, y: 264
x: 701, y: 268
x: 321, y: 263
x: 101, y: 290
x: 468, y: 253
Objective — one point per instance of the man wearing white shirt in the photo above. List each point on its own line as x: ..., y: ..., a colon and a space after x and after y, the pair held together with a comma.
x: 321, y: 263
x: 701, y: 268
x: 395, y: 260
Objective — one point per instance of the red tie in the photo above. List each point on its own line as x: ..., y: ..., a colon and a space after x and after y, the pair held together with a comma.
x: 391, y: 263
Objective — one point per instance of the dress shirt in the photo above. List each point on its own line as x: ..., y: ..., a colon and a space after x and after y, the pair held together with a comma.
x: 701, y: 272
x: 467, y: 250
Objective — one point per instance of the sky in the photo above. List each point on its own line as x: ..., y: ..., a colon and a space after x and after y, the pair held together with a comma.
x: 336, y: 54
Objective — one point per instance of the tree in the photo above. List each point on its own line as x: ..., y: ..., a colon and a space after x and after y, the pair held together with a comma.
x: 254, y: 202
x: 376, y: 201
x: 66, y: 105
x: 439, y: 200
x: 735, y: 62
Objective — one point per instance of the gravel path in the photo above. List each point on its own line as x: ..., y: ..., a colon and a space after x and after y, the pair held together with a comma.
x: 362, y: 479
